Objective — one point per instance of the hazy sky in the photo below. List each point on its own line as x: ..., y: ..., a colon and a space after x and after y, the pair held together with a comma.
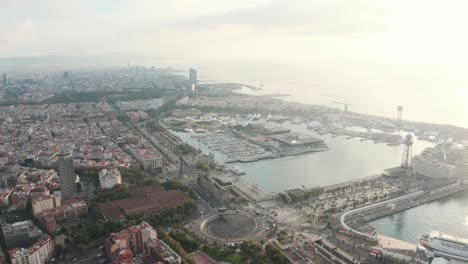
x: 375, y: 54
x: 309, y: 31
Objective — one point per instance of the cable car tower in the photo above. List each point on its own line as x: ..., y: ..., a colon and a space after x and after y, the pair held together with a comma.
x: 407, y: 162
x: 399, y: 117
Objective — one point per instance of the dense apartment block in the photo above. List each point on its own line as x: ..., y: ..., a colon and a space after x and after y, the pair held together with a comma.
x: 140, y: 241
x: 70, y: 209
x: 39, y: 253
x: 44, y: 203
x: 20, y: 234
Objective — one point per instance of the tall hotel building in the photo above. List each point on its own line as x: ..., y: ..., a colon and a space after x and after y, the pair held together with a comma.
x: 66, y: 173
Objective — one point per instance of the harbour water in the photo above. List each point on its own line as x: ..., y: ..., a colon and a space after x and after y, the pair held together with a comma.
x: 448, y: 215
x: 350, y: 160
x: 347, y: 159
x: 371, y: 89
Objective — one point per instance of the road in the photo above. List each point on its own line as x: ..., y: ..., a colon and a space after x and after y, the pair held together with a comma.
x: 88, y: 257
x: 170, y: 156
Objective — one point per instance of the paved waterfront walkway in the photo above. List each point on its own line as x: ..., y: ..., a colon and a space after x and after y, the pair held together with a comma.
x: 392, y: 243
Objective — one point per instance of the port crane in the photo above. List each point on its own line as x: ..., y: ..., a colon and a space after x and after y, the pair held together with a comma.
x: 345, y: 105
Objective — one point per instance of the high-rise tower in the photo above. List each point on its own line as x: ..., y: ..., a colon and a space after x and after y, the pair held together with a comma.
x: 193, y: 76
x: 399, y: 117
x: 66, y: 173
x: 4, y: 80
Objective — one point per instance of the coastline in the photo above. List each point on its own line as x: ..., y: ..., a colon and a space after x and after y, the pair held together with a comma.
x: 398, y: 204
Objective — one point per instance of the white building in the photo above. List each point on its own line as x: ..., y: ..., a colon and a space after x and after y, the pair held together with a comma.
x: 433, y: 168
x: 43, y: 203
x: 149, y: 158
x: 39, y: 253
x: 462, y: 169
x: 109, y: 178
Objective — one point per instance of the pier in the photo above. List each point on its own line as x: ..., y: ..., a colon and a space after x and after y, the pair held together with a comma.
x: 391, y: 139
x: 388, y: 207
x: 372, y: 211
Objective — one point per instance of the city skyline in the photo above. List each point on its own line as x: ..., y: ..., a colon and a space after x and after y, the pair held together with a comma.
x: 238, y: 132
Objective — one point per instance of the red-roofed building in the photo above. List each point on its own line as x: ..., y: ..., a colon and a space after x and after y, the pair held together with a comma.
x: 147, y: 200
x: 140, y: 240
x: 160, y: 252
x: 122, y: 256
x: 38, y: 253
x: 71, y: 209
x: 149, y: 158
x: 133, y: 238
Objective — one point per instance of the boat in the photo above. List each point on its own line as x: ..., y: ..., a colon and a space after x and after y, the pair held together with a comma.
x: 296, y: 121
x: 313, y: 125
x: 445, y: 245
x: 236, y: 171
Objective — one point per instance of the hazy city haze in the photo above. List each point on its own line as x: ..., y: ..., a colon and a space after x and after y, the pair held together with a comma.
x: 316, y: 51
x: 304, y: 32
x: 228, y: 131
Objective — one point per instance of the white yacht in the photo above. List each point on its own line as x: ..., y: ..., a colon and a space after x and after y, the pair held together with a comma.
x: 445, y: 245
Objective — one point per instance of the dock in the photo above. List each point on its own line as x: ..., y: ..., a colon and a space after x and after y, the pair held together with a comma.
x: 393, y: 243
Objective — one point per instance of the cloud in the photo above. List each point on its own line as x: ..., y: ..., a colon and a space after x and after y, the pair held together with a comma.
x: 24, y: 32
x: 329, y: 17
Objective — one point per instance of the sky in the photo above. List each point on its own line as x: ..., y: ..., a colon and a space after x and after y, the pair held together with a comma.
x: 388, y: 53
x: 301, y: 31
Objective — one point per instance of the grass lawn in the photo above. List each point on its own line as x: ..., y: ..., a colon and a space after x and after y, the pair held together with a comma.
x: 235, y: 258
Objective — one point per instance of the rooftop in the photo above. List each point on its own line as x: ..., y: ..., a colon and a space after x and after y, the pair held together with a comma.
x: 147, y: 154
x: 147, y: 199
x: 201, y: 258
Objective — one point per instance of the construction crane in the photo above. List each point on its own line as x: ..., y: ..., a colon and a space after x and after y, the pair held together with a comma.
x: 345, y: 105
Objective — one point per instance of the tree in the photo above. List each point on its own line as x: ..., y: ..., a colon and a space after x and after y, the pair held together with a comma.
x: 176, y: 247
x: 80, y: 238
x: 187, y: 243
x: 275, y: 255
x: 251, y: 248
x: 203, y: 166
x: 59, y: 251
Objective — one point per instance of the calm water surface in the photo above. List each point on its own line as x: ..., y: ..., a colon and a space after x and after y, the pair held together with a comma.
x: 346, y: 160
x: 352, y: 159
x: 449, y: 215
x: 375, y: 89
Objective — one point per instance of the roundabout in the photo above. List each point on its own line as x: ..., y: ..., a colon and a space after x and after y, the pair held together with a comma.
x: 232, y: 227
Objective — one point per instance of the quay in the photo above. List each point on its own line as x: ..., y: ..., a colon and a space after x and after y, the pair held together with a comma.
x: 374, y: 211
x: 392, y: 243
x: 377, y: 210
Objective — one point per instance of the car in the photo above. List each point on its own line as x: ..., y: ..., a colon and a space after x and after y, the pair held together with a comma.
x: 237, y: 211
x: 74, y: 259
